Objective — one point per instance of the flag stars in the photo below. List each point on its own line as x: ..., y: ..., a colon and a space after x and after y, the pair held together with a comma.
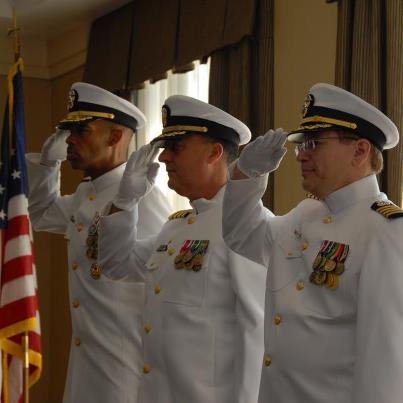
x: 16, y: 174
x: 2, y: 215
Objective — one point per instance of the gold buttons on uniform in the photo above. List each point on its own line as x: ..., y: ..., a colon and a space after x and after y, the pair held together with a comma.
x: 300, y: 285
x: 304, y: 245
x: 76, y: 303
x: 289, y: 253
x: 146, y: 369
x: 277, y: 319
x: 91, y: 197
x: 157, y: 289
x: 171, y: 251
x: 95, y: 271
x: 327, y: 219
x: 77, y: 341
x: 191, y: 220
x: 79, y: 227
x: 267, y: 360
x: 147, y: 328
x: 74, y: 266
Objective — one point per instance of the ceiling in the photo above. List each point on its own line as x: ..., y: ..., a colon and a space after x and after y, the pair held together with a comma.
x: 46, y: 19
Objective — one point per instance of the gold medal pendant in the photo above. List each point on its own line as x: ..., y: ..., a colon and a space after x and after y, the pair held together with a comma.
x: 188, y: 257
x: 95, y: 271
x: 317, y: 262
x: 197, y: 267
x: 92, y: 253
x: 178, y: 259
x: 329, y: 265
x: 91, y: 240
x: 332, y: 281
x: 339, y: 268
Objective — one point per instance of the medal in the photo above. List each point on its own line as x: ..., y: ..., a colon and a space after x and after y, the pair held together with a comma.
x: 317, y: 262
x: 95, y: 271
x: 91, y: 240
x: 329, y: 265
x: 339, y: 268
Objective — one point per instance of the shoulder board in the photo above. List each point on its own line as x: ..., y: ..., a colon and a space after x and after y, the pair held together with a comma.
x: 311, y: 196
x: 179, y: 214
x: 387, y: 209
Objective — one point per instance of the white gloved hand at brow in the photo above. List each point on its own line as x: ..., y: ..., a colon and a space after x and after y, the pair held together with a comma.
x: 138, y: 177
x: 264, y: 154
x: 55, y: 148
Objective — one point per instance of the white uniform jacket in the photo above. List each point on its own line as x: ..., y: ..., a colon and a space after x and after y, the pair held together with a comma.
x: 106, y: 315
x: 341, y: 344
x: 203, y: 328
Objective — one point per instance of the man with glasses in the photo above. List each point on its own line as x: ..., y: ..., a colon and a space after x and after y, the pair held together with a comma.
x: 334, y: 300
x: 105, y: 351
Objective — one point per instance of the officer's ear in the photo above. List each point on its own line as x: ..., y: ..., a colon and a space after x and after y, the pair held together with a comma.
x: 362, y: 152
x: 216, y: 152
x: 115, y: 136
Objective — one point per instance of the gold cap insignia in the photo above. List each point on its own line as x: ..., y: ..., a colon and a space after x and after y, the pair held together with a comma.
x: 72, y: 99
x: 165, y: 114
x: 307, y: 103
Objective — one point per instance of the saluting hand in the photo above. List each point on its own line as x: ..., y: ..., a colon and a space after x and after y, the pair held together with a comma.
x: 264, y: 154
x: 138, y: 177
x: 55, y: 148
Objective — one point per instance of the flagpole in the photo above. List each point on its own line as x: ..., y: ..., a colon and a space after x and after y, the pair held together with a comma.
x: 25, y: 343
x: 15, y: 32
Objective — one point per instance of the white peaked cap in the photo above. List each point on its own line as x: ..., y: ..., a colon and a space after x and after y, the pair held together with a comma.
x: 183, y: 115
x: 88, y: 102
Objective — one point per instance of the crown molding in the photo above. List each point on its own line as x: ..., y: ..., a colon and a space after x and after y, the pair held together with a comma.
x: 47, y: 59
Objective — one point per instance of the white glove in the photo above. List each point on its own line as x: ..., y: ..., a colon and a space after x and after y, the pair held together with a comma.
x: 138, y: 177
x: 264, y: 154
x: 55, y: 148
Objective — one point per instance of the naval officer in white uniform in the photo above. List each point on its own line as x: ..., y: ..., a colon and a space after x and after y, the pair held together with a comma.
x: 105, y: 350
x: 203, y: 321
x: 334, y: 300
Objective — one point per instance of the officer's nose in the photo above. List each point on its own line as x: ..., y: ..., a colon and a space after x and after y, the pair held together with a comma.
x: 303, y: 155
x: 165, y: 156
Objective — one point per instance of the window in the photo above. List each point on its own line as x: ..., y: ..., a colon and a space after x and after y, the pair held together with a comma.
x: 150, y: 100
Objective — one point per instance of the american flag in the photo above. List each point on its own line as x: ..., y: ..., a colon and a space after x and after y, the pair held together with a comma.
x: 18, y: 288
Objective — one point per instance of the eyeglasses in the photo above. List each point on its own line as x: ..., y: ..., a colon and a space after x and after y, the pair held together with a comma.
x: 311, y: 144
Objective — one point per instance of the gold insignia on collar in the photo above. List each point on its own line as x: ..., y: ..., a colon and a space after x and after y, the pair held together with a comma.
x: 387, y: 209
x: 311, y: 196
x: 179, y: 214
x: 72, y: 99
x: 307, y: 103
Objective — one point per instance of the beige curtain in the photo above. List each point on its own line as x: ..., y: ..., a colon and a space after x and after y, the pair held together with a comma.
x: 241, y: 78
x: 369, y: 62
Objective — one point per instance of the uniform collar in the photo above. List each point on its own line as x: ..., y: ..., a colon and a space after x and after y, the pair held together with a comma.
x: 201, y: 205
x: 353, y: 193
x: 108, y: 179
